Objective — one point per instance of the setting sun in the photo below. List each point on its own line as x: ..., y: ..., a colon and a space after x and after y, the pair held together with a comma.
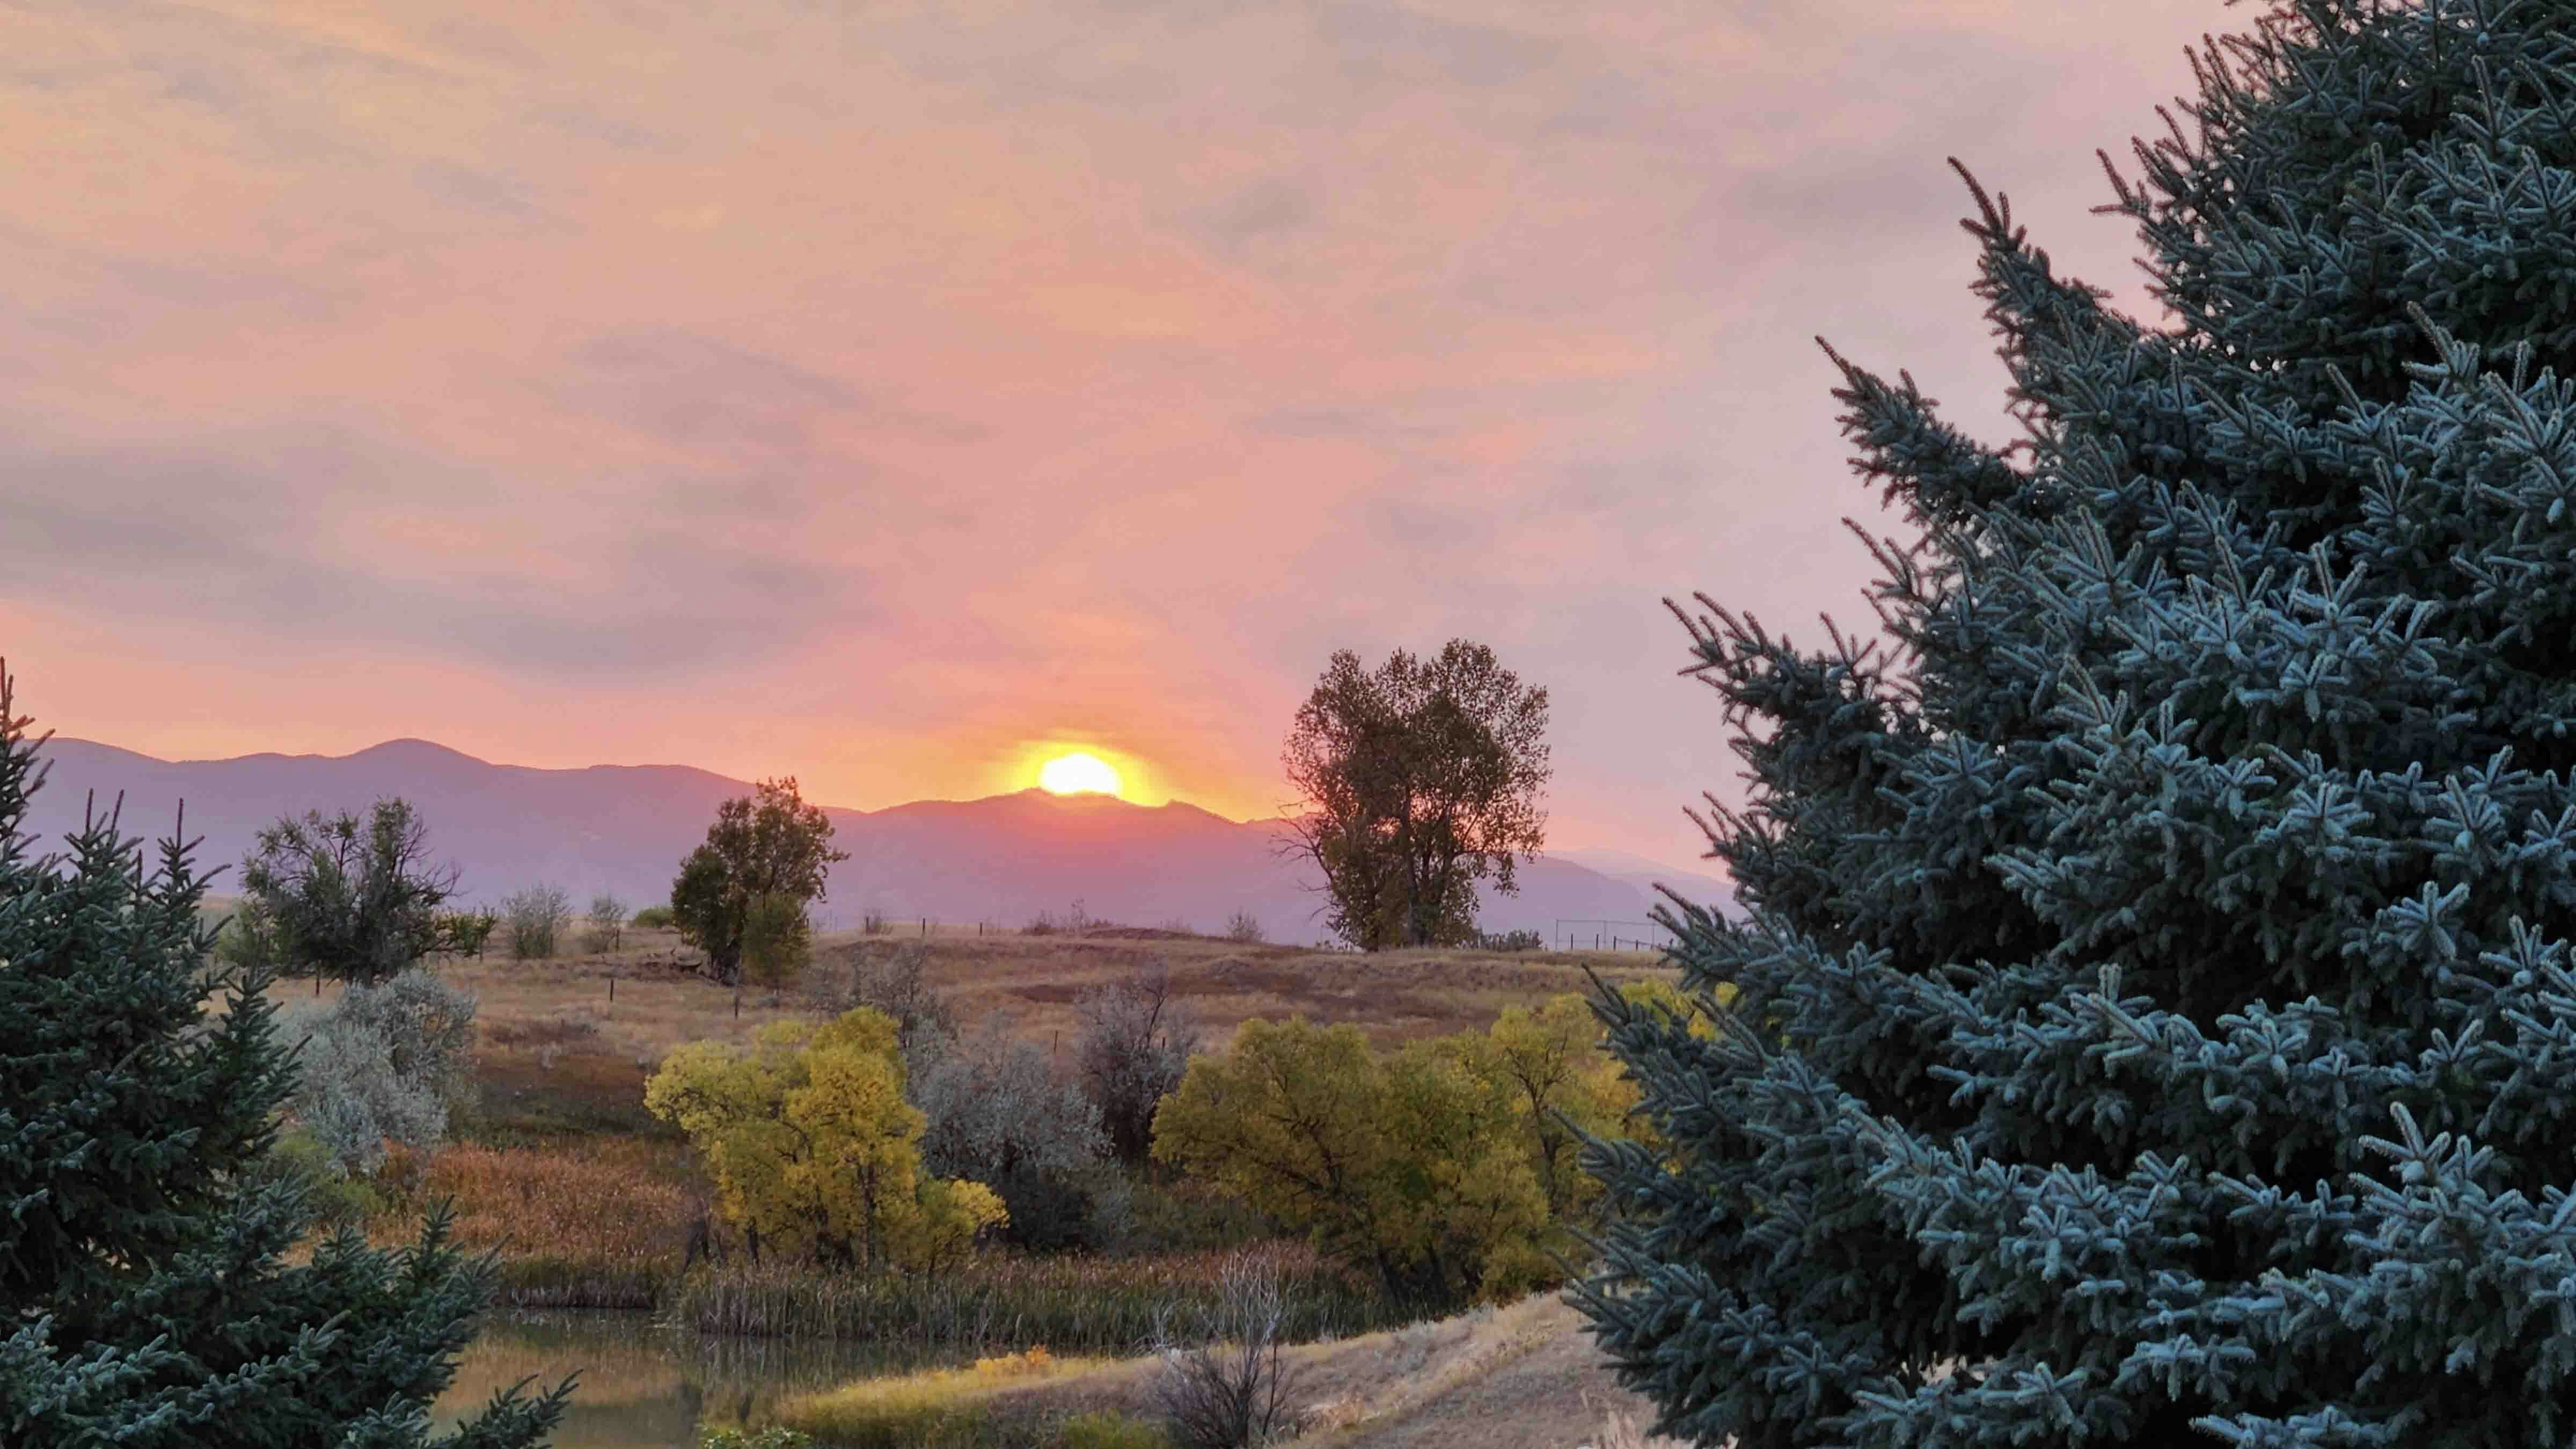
x: 1078, y: 774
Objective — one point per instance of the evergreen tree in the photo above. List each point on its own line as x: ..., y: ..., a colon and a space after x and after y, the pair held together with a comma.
x: 141, y: 1290
x: 2156, y: 1020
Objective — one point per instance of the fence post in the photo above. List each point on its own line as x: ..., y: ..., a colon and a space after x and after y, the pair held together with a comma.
x: 612, y: 988
x: 925, y: 926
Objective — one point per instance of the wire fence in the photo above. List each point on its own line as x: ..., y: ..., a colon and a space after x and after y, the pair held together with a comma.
x: 1609, y: 936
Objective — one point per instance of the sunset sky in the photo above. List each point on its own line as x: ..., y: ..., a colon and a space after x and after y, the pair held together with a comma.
x: 878, y: 393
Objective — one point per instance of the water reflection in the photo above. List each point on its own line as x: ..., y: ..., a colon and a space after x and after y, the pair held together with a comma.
x: 648, y: 1387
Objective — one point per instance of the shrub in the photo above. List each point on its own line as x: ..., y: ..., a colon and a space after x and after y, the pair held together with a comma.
x: 607, y: 924
x: 1549, y: 1062
x: 537, y: 917
x: 993, y: 1107
x: 1511, y: 941
x: 381, y: 1063
x: 995, y: 1114
x: 1135, y: 1042
x: 337, y: 1198
x: 872, y: 921
x: 1224, y: 1383
x: 1244, y: 928
x: 891, y: 977
x: 653, y: 918
x: 1074, y: 922
x: 1103, y: 1430
x: 465, y: 933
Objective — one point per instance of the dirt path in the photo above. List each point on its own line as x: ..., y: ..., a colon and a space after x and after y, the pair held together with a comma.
x: 1528, y: 1377
x: 1556, y: 1394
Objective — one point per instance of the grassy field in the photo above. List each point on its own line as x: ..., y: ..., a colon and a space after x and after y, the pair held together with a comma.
x: 1525, y: 1376
x: 560, y: 1053
x: 592, y: 1199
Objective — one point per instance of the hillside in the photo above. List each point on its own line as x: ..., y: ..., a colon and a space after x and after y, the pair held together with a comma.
x: 623, y: 829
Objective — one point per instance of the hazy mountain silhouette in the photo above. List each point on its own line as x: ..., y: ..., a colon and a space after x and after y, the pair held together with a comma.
x: 1698, y: 887
x: 624, y: 828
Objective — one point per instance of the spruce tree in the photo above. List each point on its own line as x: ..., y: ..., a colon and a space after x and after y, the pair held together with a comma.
x: 2156, y: 1017
x: 143, y: 1301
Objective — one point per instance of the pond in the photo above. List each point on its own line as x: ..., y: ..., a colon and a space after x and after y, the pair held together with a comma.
x: 644, y: 1386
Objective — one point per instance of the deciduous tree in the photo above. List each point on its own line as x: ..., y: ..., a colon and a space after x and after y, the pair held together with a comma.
x: 1419, y: 780
x: 1136, y: 1040
x: 341, y: 897
x: 1560, y: 1084
x: 1406, y: 1165
x: 777, y: 939
x: 813, y: 1144
x: 770, y: 843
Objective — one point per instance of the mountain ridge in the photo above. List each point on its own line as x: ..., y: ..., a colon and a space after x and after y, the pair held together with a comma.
x: 622, y: 829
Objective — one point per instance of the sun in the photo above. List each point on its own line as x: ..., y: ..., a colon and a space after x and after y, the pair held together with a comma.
x: 1078, y: 775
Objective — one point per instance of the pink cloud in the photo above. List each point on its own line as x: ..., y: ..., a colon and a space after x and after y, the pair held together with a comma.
x: 780, y: 389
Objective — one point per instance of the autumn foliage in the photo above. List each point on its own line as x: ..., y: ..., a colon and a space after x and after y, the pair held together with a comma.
x: 1446, y: 1168
x: 813, y: 1146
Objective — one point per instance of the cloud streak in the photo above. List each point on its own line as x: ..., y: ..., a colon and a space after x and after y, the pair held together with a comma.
x: 863, y: 392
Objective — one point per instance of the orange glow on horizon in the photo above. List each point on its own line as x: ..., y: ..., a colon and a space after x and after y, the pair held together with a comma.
x: 1026, y: 764
x: 1080, y: 773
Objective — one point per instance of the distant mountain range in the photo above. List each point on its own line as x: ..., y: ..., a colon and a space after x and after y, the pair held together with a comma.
x: 622, y: 829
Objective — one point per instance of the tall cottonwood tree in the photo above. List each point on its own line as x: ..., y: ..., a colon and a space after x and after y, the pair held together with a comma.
x: 769, y: 844
x: 144, y: 1296
x: 1419, y: 779
x: 2156, y: 1009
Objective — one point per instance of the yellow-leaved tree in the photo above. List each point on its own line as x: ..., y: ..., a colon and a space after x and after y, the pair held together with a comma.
x: 1452, y: 1168
x: 813, y: 1145
x: 1550, y: 1063
x: 1407, y: 1165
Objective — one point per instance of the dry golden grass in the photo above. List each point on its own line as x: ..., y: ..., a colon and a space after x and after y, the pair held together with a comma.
x: 997, y: 1401
x: 1395, y: 996
x: 601, y: 1223
x: 571, y: 1003
x: 1522, y: 1377
x: 1077, y: 1302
